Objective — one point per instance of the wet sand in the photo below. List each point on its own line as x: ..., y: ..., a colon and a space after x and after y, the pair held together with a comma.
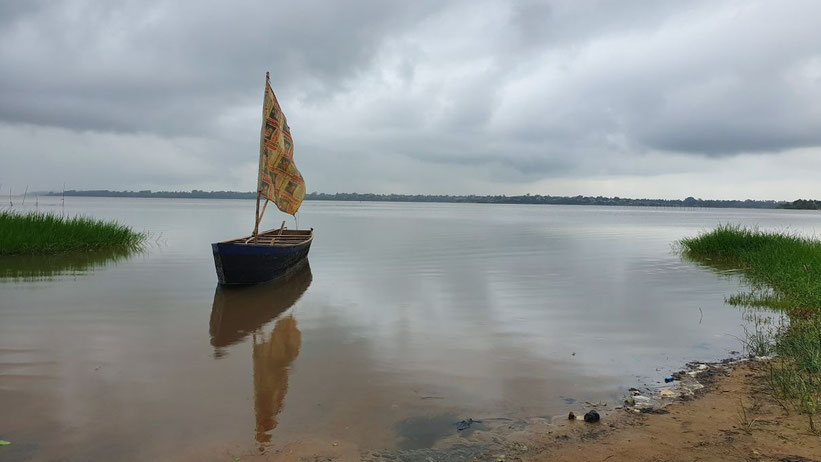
x: 710, y: 427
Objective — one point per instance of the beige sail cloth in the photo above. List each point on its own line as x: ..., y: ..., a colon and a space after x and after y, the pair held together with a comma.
x: 279, y: 180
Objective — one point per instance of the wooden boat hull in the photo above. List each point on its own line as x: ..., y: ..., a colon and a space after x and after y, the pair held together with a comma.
x: 238, y: 262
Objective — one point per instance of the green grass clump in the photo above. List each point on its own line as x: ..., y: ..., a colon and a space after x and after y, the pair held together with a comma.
x: 788, y: 264
x: 795, y: 376
x: 784, y: 273
x: 38, y: 233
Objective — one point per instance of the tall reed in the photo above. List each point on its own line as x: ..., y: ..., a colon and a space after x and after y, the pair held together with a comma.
x: 37, y: 233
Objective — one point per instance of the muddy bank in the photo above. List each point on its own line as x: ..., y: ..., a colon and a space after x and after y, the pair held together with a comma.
x: 732, y: 417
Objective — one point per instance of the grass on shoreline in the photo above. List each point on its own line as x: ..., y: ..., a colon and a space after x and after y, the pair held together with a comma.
x: 784, y: 273
x: 37, y: 233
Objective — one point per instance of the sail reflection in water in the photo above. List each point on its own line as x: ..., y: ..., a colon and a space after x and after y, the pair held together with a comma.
x: 272, y: 361
x: 242, y: 312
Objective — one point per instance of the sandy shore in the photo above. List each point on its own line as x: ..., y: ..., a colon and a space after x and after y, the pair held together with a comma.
x: 711, y: 426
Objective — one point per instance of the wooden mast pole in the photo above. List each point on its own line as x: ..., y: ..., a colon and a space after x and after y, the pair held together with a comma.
x: 256, y: 216
x: 259, y: 191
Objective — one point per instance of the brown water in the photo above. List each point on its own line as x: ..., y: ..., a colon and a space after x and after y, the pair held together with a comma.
x: 409, y: 318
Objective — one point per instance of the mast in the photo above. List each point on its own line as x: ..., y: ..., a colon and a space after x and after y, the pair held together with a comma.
x: 257, y: 216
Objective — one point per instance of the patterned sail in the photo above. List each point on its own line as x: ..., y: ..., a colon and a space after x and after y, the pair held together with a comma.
x: 279, y: 180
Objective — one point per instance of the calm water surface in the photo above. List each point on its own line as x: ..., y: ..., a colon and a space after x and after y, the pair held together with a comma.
x: 409, y: 317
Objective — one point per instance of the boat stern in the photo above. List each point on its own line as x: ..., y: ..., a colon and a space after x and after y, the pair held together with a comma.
x: 218, y: 263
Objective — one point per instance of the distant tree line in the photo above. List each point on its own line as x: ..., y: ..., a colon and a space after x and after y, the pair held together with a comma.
x: 502, y: 199
x: 539, y: 199
x: 801, y: 204
x: 193, y: 194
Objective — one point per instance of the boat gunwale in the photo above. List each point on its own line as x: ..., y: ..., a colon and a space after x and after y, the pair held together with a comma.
x: 309, y: 234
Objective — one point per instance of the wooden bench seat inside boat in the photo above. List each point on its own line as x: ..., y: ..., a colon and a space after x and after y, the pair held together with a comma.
x: 276, y: 237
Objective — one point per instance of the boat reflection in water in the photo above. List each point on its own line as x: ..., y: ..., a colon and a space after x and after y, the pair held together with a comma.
x: 242, y: 312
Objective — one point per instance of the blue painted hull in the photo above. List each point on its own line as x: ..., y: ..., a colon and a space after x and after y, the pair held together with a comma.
x: 238, y: 263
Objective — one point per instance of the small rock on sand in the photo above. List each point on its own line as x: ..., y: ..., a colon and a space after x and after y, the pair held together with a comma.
x: 592, y: 417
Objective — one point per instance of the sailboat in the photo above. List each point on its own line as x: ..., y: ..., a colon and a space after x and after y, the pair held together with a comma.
x: 273, y: 254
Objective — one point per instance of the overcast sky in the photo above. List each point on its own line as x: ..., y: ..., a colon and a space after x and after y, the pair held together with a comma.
x: 717, y: 99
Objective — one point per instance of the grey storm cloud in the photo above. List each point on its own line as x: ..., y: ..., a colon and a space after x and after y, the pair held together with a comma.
x: 488, y: 91
x: 147, y: 66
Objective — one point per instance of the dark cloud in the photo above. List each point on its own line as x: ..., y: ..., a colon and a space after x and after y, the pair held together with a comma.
x: 146, y: 66
x: 485, y: 92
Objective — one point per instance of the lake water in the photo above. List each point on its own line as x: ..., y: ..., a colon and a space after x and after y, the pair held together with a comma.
x: 409, y: 318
